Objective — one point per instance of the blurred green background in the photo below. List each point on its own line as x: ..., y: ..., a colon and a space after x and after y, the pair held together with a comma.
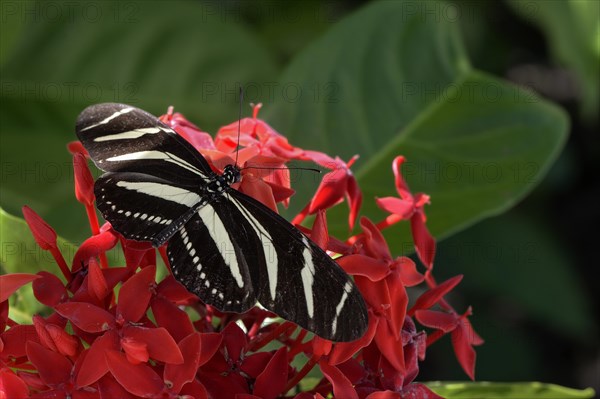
x: 450, y: 85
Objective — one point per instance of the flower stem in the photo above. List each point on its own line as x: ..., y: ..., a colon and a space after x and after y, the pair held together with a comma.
x: 95, y: 227
x: 280, y: 329
x: 310, y: 364
x: 60, y: 260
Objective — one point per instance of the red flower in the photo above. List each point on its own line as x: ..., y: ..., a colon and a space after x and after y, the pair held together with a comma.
x: 123, y: 330
x: 45, y: 236
x: 382, y: 282
x: 410, y: 207
x: 101, y: 341
x: 462, y: 334
x: 336, y: 185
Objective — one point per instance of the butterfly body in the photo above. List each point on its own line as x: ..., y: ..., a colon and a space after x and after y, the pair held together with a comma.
x: 222, y: 245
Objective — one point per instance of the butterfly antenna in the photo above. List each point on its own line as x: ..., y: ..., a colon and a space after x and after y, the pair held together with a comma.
x: 284, y: 168
x: 237, y: 148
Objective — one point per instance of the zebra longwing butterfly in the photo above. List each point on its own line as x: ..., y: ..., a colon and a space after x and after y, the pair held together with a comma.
x: 224, y: 246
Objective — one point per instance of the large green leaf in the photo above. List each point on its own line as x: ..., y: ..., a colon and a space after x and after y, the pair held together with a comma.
x: 19, y: 253
x: 506, y: 390
x: 392, y: 79
x: 67, y: 55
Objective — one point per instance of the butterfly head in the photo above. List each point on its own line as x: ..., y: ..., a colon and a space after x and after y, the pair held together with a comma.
x: 231, y: 174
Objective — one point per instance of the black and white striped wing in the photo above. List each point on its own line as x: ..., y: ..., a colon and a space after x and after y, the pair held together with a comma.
x: 206, y: 257
x: 154, y: 176
x: 286, y: 272
x: 224, y: 246
x: 143, y: 207
x: 122, y: 138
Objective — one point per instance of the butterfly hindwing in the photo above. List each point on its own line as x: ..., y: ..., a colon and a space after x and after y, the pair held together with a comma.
x: 141, y: 207
x: 206, y: 258
x: 310, y: 288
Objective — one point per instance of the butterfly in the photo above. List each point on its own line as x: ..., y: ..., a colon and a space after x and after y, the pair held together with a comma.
x: 222, y: 245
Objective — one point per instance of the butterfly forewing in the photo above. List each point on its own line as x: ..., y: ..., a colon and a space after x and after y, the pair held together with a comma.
x: 121, y: 138
x: 224, y: 246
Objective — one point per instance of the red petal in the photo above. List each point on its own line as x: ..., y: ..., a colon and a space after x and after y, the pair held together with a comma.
x: 321, y: 346
x: 55, y: 338
x: 235, y: 341
x: 135, y: 351
x: 109, y: 388
x: 15, y: 339
x: 386, y: 395
x: 135, y: 294
x: 438, y: 320
x: 3, y: 318
x: 9, y: 283
x: 354, y: 196
x: 361, y: 265
x: 174, y: 320
x: 321, y: 158
x: 53, y: 367
x: 399, y: 303
x: 375, y: 293
x: 319, y: 232
x: 431, y: 297
x: 174, y: 291
x: 424, y: 242
x: 94, y: 365
x: 342, y: 387
x: 76, y: 146
x: 48, y: 289
x: 177, y: 376
x: 88, y: 317
x: 12, y: 386
x: 84, y: 182
x: 210, y: 345
x: 389, y: 346
x: 96, y: 282
x: 270, y: 383
x: 194, y: 389
x: 92, y: 247
x: 408, y: 271
x: 345, y: 350
x: 461, y: 342
x: 255, y: 364
x: 403, y: 208
x: 330, y: 192
x: 224, y: 385
x: 137, y: 379
x: 44, y: 235
x: 259, y: 190
x: 375, y: 244
x: 161, y: 346
x: 401, y: 185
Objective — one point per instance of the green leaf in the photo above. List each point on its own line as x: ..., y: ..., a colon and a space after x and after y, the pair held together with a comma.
x: 19, y: 253
x: 572, y: 28
x: 501, y: 390
x: 67, y: 55
x: 404, y: 86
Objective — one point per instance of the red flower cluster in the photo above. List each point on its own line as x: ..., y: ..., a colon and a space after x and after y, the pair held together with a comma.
x: 114, y: 332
